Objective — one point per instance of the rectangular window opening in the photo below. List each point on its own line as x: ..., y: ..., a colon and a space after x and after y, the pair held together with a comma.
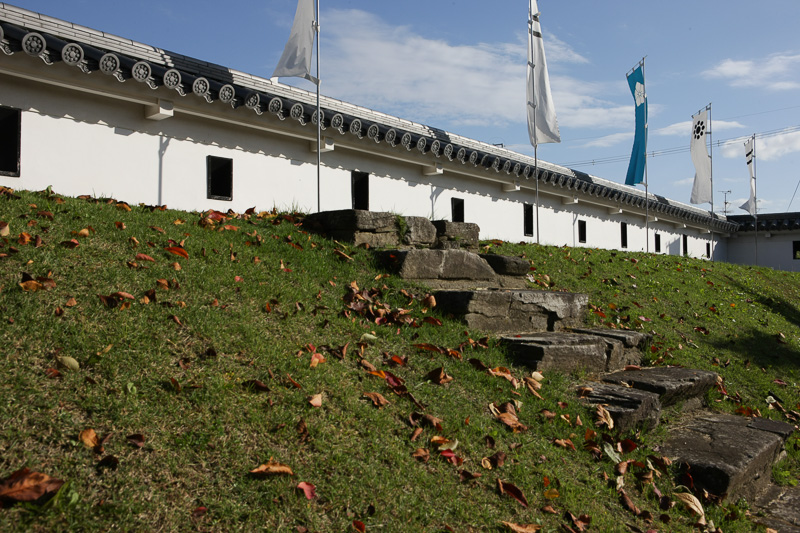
x: 623, y: 228
x: 10, y: 134
x: 528, y: 219
x: 457, y: 207
x: 219, y: 178
x: 658, y: 243
x: 685, y: 245
x: 360, y: 188
x: 581, y: 231
x: 708, y: 250
x: 796, y: 250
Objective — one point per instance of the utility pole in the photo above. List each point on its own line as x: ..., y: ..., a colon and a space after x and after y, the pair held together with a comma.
x: 725, y: 202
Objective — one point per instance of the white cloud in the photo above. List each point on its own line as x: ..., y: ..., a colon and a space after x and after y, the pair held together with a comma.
x: 767, y: 148
x: 684, y: 128
x: 397, y: 71
x: 776, y: 72
x: 609, y: 140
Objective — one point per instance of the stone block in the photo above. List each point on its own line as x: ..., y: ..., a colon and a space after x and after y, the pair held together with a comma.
x: 419, y: 232
x: 425, y: 264
x: 629, y: 408
x: 456, y: 234
x: 507, y: 265
x: 564, y: 352
x: 724, y: 455
x: 624, y: 347
x: 672, y: 384
x: 353, y: 220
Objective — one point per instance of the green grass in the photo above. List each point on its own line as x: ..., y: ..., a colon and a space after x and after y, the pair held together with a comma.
x: 175, y: 370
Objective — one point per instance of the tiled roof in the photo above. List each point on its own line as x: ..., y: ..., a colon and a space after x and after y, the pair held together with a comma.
x: 773, y: 222
x: 89, y: 50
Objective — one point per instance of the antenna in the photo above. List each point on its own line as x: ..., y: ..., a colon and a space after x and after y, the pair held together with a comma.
x: 725, y: 202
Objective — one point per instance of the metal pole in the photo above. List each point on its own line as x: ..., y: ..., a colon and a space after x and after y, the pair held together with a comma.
x: 535, y: 140
x: 755, y: 195
x: 711, y: 158
x: 646, y: 185
x: 319, y: 115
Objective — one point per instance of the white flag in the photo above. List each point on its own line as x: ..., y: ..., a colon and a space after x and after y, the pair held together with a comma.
x: 542, y: 121
x: 750, y: 154
x: 701, y: 191
x: 296, y: 58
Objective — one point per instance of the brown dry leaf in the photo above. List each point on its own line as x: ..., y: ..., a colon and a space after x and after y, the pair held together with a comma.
x: 31, y: 286
x: 5, y: 230
x: 604, y: 417
x: 421, y: 454
x: 272, y: 468
x: 513, y: 491
x: 309, y: 490
x: 90, y: 439
x: 466, y: 475
x: 512, y: 422
x: 176, y: 266
x: 377, y: 399
x: 564, y: 443
x: 177, y: 250
x: 26, y: 486
x: 551, y: 494
x: 144, y: 257
x: 522, y: 528
x: 137, y: 439
x: 429, y: 301
x: 417, y: 432
x: 439, y: 376
x: 71, y: 303
x: 316, y: 400
x: 628, y: 503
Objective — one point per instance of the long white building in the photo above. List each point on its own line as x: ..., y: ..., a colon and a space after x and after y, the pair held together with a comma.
x: 87, y: 112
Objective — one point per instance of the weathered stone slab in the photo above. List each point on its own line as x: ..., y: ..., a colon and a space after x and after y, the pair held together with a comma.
x: 629, y: 408
x: 456, y: 234
x: 356, y: 226
x: 437, y: 264
x: 507, y: 265
x: 565, y: 352
x: 780, y: 509
x: 724, y: 455
x: 419, y: 232
x: 505, y: 311
x: 672, y: 384
x: 624, y: 347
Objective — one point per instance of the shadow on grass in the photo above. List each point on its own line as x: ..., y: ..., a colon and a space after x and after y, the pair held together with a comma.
x: 777, y: 304
x: 762, y: 349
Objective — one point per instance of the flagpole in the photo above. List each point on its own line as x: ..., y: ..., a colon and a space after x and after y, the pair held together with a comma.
x: 755, y: 195
x: 319, y: 114
x: 711, y: 158
x: 535, y: 140
x: 646, y: 184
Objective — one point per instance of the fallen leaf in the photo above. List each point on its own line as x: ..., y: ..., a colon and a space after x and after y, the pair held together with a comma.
x: 551, y: 494
x: 90, y: 439
x: 691, y: 503
x: 316, y: 400
x: 359, y: 526
x: 421, y: 454
x: 272, y: 468
x: 439, y: 376
x: 26, y: 486
x: 604, y: 417
x: 513, y: 491
x: 377, y: 399
x: 137, y: 439
x: 68, y: 362
x: 178, y: 251
x: 522, y: 528
x: 466, y: 475
x: 144, y: 257
x: 308, y: 489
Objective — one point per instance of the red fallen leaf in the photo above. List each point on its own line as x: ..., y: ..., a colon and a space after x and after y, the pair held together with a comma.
x: 238, y: 279
x: 432, y: 320
x: 429, y: 347
x: 199, y: 512
x: 156, y: 228
x: 52, y: 373
x: 120, y: 225
x: 71, y: 244
x: 513, y: 491
x: 780, y: 382
x: 465, y: 475
x: 230, y: 227
x: 178, y: 251
x: 256, y: 385
x: 701, y: 329
x: 359, y: 526
x: 628, y: 445
x: 26, y: 486
x: 308, y: 489
x: 451, y: 457
x: 293, y: 382
x: 137, y: 439
x: 144, y: 257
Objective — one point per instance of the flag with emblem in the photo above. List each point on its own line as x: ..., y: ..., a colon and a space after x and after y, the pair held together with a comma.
x: 750, y: 154
x: 636, y: 167
x: 701, y: 191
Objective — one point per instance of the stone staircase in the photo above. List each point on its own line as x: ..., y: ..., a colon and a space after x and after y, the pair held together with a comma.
x: 724, y: 456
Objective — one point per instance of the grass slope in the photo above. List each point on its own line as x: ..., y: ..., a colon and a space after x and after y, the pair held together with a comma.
x: 209, y: 360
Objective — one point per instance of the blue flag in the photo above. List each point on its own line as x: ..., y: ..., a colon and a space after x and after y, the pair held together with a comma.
x: 638, y: 154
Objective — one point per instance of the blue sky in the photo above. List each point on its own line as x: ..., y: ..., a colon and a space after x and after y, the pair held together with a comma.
x: 460, y: 66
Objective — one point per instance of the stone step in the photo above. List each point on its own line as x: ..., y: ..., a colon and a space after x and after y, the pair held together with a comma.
x: 779, y: 508
x: 726, y: 455
x: 672, y: 384
x: 629, y: 408
x: 509, y: 310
